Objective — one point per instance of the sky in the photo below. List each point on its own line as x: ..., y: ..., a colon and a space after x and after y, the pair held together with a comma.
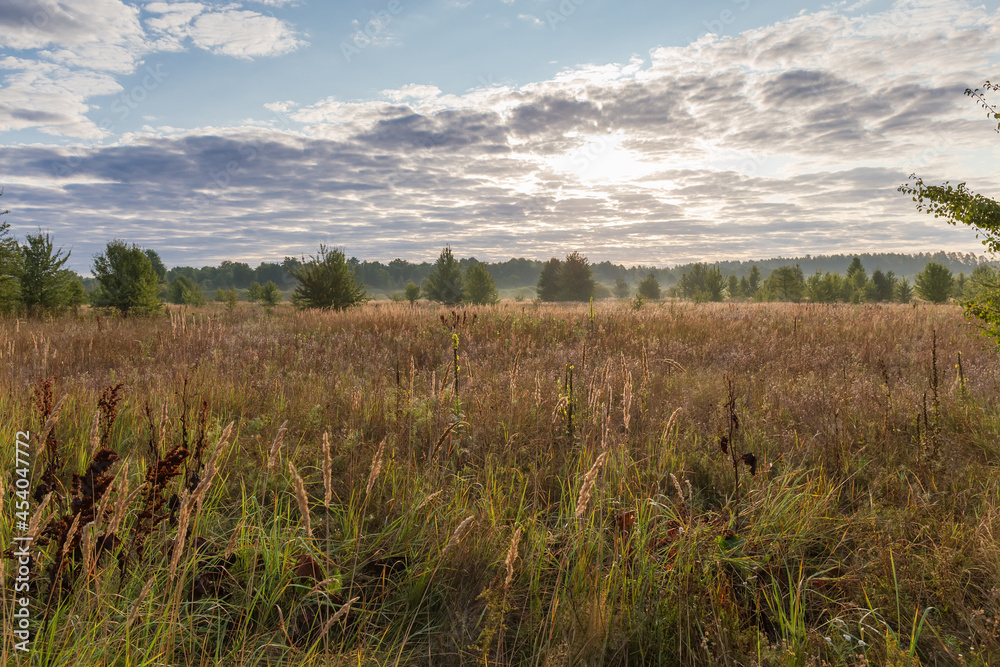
x: 641, y: 132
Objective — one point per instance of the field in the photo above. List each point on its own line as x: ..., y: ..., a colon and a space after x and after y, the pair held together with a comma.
x: 560, y: 496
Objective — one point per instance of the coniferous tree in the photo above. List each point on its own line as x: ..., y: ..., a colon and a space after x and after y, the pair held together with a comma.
x: 126, y: 280
x: 183, y: 290
x: 480, y: 286
x: 934, y: 283
x: 785, y: 283
x: 444, y: 283
x: 576, y: 280
x: 45, y: 285
x: 621, y: 290
x: 270, y: 295
x: 649, y: 288
x: 327, y: 282
x: 548, y: 282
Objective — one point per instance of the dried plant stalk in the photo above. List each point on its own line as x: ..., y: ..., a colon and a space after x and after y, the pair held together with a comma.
x: 279, y: 439
x: 376, y: 467
x: 587, y: 488
x: 457, y: 536
x: 327, y: 471
x: 301, y: 498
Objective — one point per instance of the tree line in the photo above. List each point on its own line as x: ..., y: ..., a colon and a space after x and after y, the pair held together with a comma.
x: 134, y: 280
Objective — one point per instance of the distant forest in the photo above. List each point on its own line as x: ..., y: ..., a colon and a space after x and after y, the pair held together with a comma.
x: 522, y: 274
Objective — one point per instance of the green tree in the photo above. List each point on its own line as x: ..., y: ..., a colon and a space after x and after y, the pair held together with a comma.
x: 826, y: 288
x: 621, y: 290
x: 45, y: 285
x: 270, y: 295
x: 183, y: 290
x: 154, y: 259
x: 126, y: 280
x: 785, y: 283
x: 253, y: 292
x: 10, y: 267
x: 444, y: 283
x: 480, y: 286
x: 958, y: 204
x: 10, y: 270
x: 753, y: 282
x: 327, y: 282
x: 904, y: 292
x: 857, y: 281
x: 411, y: 292
x: 548, y: 281
x: 649, y: 288
x: 576, y: 280
x: 934, y: 283
x: 883, y: 286
x: 715, y: 284
x: 733, y: 287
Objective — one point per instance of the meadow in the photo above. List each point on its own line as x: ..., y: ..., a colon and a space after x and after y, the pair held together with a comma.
x: 678, y: 484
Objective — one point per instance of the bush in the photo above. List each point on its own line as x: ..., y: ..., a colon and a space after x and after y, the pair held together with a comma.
x: 327, y: 282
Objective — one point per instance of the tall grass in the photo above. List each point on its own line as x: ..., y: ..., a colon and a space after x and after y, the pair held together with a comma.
x: 572, y: 505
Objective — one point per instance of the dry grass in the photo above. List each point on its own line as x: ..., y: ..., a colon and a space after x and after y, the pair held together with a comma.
x: 869, y: 532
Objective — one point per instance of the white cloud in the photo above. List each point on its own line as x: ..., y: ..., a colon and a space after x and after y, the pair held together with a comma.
x: 232, y: 32
x: 532, y: 20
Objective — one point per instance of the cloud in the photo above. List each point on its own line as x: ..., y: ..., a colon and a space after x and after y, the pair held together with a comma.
x: 782, y: 140
x: 231, y: 32
x: 74, y: 51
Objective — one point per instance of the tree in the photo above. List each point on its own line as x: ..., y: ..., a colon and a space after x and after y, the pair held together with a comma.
x: 904, y: 293
x: 183, y: 290
x: 702, y: 283
x: 411, y: 292
x: 621, y: 290
x: 826, y: 288
x: 10, y: 269
x: 576, y: 281
x: 958, y: 204
x: 45, y: 285
x: 444, y: 283
x: 883, y: 286
x: 753, y: 282
x: 857, y: 281
x: 326, y: 282
x: 480, y: 286
x: 154, y: 259
x: 548, y: 281
x: 254, y: 292
x: 934, y: 283
x: 714, y: 284
x: 733, y: 287
x: 269, y: 295
x: 785, y: 283
x: 649, y: 288
x: 126, y: 280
